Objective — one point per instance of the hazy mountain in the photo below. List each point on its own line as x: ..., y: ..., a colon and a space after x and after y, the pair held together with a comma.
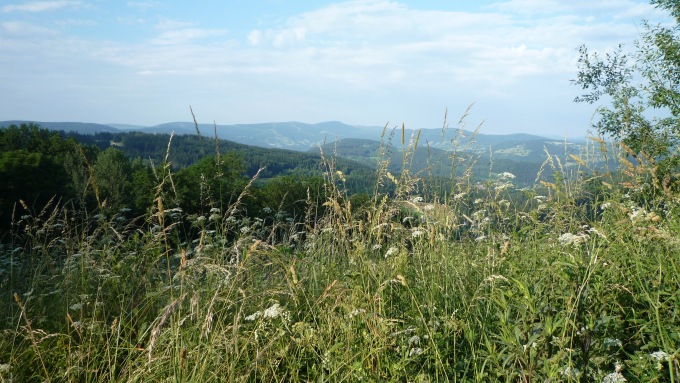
x: 303, y: 137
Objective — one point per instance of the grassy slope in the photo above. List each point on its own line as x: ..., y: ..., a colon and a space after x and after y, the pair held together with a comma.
x: 477, y: 287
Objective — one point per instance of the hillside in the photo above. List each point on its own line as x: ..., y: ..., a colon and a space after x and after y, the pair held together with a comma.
x: 523, y: 158
x: 303, y: 137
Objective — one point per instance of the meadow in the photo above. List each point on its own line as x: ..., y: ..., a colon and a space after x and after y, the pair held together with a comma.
x: 574, y: 279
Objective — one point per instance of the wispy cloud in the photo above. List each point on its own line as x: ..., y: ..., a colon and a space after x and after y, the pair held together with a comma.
x: 185, y: 35
x: 143, y: 4
x: 174, y: 32
x: 22, y: 30
x: 40, y: 6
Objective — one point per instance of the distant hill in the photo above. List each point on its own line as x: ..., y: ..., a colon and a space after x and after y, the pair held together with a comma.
x: 520, y: 154
x: 77, y: 127
x: 303, y: 137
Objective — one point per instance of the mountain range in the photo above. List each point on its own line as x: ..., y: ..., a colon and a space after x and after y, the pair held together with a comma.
x: 305, y: 137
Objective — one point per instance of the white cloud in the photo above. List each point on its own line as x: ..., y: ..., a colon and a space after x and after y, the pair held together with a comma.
x: 24, y: 30
x: 185, y: 35
x: 77, y: 22
x: 40, y: 6
x: 143, y: 4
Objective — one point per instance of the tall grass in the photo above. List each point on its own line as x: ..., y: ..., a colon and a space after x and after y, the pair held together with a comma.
x: 575, y: 279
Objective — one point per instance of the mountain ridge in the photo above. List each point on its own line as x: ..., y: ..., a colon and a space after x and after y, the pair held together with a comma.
x: 294, y: 135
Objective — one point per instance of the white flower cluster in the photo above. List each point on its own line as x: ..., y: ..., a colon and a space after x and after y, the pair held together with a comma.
x: 569, y: 239
x: 271, y: 312
x: 614, y: 377
x: 659, y: 357
x: 610, y: 343
x: 391, y: 251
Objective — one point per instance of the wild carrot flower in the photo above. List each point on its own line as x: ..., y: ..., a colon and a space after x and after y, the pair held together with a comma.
x: 391, y: 251
x: 616, y: 376
x: 253, y: 316
x: 659, y: 357
x: 273, y: 311
x: 567, y: 239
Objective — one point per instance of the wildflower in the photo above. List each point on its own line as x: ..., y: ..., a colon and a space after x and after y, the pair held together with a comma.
x: 376, y: 247
x: 253, y: 316
x: 415, y: 351
x: 214, y: 217
x: 593, y: 230
x: 659, y: 357
x: 638, y: 213
x: 274, y: 311
x: 480, y: 238
x: 414, y: 340
x: 417, y: 199
x: 605, y: 206
x: 458, y: 196
x: 614, y: 377
x: 507, y: 175
x: 200, y: 218
x: 609, y: 343
x: 267, y: 210
x: 428, y: 207
x: 355, y: 312
x: 76, y: 307
x: 495, y: 277
x: 417, y: 233
x: 215, y: 211
x: 540, y: 198
x: 391, y: 251
x: 478, y: 201
x: 567, y: 239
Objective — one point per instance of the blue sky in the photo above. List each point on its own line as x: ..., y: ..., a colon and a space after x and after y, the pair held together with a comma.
x: 363, y: 62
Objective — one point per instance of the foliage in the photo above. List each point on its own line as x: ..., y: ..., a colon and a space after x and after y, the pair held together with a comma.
x: 574, y: 279
x: 644, y: 90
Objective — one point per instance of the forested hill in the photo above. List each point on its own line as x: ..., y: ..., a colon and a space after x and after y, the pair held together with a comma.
x: 110, y: 173
x: 186, y: 150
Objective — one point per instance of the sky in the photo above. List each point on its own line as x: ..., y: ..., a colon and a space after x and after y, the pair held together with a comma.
x: 362, y: 62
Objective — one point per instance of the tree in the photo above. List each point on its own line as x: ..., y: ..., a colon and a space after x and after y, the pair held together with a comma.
x: 113, y: 179
x: 210, y: 182
x: 644, y: 90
